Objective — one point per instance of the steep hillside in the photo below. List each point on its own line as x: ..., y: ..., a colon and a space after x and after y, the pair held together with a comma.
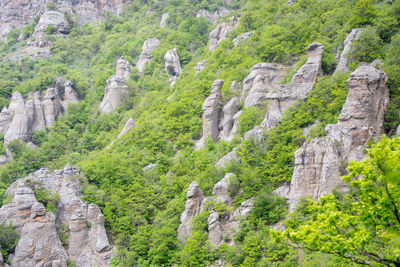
x: 196, y: 127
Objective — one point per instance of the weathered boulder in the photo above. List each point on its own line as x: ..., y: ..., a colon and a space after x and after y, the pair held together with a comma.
x: 88, y: 241
x: 18, y: 128
x: 55, y: 19
x: 130, y: 124
x: 220, y: 33
x: 320, y: 163
x: 172, y: 65
x: 343, y: 61
x: 51, y: 106
x: 148, y: 46
x: 116, y: 90
x: 214, y: 229
x: 201, y: 65
x: 192, y: 208
x: 212, y: 16
x: 228, y: 158
x: 211, y: 111
x: 164, y: 20
x: 227, y: 123
x: 241, y: 38
x: 221, y: 189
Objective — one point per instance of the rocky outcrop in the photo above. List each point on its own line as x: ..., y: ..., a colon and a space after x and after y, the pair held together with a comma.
x: 228, y: 158
x: 130, y: 124
x: 55, y: 19
x: 221, y: 226
x: 21, y: 119
x: 320, y: 163
x: 201, y: 65
x: 116, y: 90
x: 212, y: 16
x: 263, y: 84
x: 220, y: 33
x: 192, y: 208
x: 172, y: 65
x: 164, y: 20
x: 229, y: 124
x: 19, y: 13
x: 146, y: 55
x: 211, y: 112
x: 343, y: 61
x: 40, y: 243
x: 241, y: 38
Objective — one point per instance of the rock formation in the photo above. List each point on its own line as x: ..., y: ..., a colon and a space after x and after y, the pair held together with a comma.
x: 146, y: 55
x: 221, y: 227
x: 320, y: 163
x: 201, y: 65
x: 192, y: 208
x: 53, y: 18
x: 228, y: 158
x: 130, y: 124
x: 241, y: 38
x: 40, y: 243
x: 19, y: 13
x: 343, y: 61
x: 21, y: 119
x: 164, y: 20
x: 228, y: 124
x: 212, y: 16
x: 211, y: 112
x: 172, y: 65
x: 116, y: 90
x: 220, y: 33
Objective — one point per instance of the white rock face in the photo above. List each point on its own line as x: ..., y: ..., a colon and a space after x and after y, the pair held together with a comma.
x: 212, y: 16
x: 201, y: 65
x: 116, y: 90
x: 164, y: 20
x: 220, y: 33
x: 53, y: 18
x: 320, y: 163
x: 146, y: 55
x: 172, y: 65
x: 192, y: 208
x: 40, y: 244
x: 241, y: 38
x: 211, y: 112
x: 343, y: 61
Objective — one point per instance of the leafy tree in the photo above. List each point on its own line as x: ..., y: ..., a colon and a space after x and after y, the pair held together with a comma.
x: 364, y: 13
x: 365, y: 230
x: 8, y: 240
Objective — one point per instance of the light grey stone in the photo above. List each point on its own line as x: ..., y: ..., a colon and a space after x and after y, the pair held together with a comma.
x: 220, y: 33
x: 228, y: 158
x: 146, y: 55
x: 343, y: 61
x: 164, y: 20
x: 212, y: 16
x: 227, y: 122
x: 201, y: 65
x: 241, y: 38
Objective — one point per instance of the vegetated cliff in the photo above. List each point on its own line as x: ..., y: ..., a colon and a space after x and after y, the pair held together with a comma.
x: 190, y: 116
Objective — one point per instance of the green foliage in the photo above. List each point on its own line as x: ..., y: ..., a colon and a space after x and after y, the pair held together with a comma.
x: 46, y: 197
x: 250, y: 117
x: 268, y: 207
x: 51, y: 29
x: 364, y: 227
x: 51, y: 6
x: 364, y: 13
x: 8, y: 240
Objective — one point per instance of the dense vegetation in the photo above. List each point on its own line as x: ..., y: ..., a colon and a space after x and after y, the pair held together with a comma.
x: 142, y: 209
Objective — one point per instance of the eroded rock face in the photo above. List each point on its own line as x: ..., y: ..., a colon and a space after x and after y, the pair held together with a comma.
x: 211, y: 112
x: 228, y: 124
x: 146, y: 55
x: 228, y: 158
x: 40, y: 244
x: 192, y: 208
x: 21, y: 119
x: 320, y: 163
x: 220, y: 33
x: 172, y: 65
x: 221, y: 227
x: 241, y: 38
x: 212, y: 16
x: 53, y: 18
x: 19, y: 13
x: 164, y: 20
x: 116, y: 90
x: 343, y: 61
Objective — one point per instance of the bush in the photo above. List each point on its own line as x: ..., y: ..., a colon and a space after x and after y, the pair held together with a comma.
x: 8, y: 240
x: 251, y: 117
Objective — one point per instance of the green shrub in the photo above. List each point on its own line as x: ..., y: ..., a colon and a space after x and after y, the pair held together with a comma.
x: 8, y: 240
x: 251, y: 117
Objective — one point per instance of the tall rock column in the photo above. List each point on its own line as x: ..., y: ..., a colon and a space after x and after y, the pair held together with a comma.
x: 116, y: 89
x: 146, y: 55
x: 172, y: 65
x: 320, y: 163
x: 211, y: 111
x: 343, y: 61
